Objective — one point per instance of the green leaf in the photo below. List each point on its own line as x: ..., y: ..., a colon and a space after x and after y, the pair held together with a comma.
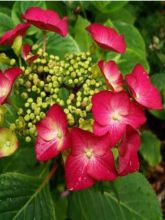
x: 25, y: 197
x: 81, y: 35
x: 58, y: 45
x: 5, y: 23
x: 132, y: 199
x: 158, y: 80
x: 22, y: 161
x: 109, y: 6
x: 123, y: 15
x: 150, y: 148
x: 20, y: 7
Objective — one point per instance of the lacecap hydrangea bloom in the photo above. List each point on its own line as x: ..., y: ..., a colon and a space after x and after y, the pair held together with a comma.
x: 81, y: 112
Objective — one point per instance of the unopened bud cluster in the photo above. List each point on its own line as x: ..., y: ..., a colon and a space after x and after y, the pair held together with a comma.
x: 70, y: 82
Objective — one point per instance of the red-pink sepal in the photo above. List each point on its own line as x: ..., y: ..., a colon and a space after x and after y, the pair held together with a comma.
x: 142, y: 89
x: 47, y: 20
x: 26, y: 54
x: 107, y: 38
x: 112, y: 74
x: 90, y: 160
x: 52, y: 134
x: 128, y: 152
x: 8, y: 38
x: 113, y: 111
x: 7, y: 79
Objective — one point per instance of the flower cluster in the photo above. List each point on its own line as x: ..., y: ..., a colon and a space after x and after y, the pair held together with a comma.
x: 73, y: 104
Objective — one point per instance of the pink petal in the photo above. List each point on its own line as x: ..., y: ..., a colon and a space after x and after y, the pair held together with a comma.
x: 46, y: 20
x: 107, y: 102
x: 45, y: 150
x: 142, y: 89
x: 128, y: 157
x: 112, y: 74
x: 76, y: 173
x: 102, y: 167
x: 25, y: 51
x: 57, y: 114
x: 13, y: 73
x: 107, y: 38
x: 5, y: 88
x: 82, y: 139
x: 101, y: 107
x: 136, y: 116
x: 8, y: 37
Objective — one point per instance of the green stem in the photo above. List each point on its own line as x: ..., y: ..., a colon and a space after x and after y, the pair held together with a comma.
x: 20, y: 61
x: 44, y: 41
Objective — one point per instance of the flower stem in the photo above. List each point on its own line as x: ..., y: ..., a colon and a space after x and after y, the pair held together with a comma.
x: 20, y: 61
x: 44, y: 41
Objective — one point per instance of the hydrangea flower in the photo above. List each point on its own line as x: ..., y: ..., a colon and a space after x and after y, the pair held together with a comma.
x: 7, y: 79
x: 9, y: 37
x: 112, y: 75
x: 128, y: 152
x: 91, y: 159
x: 113, y: 111
x: 47, y: 20
x: 52, y: 134
x: 142, y: 89
x: 107, y: 38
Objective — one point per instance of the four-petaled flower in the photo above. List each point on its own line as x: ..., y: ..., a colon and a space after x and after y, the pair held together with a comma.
x: 112, y: 75
x: 7, y: 79
x: 47, y: 20
x: 91, y: 159
x: 142, y: 89
x: 107, y: 38
x: 52, y: 134
x: 113, y: 111
x: 9, y: 37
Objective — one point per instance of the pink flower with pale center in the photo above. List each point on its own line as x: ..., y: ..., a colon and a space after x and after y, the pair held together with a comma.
x: 7, y: 79
x: 112, y: 75
x: 142, y: 89
x: 90, y: 160
x: 47, y: 20
x: 107, y: 38
x: 9, y: 37
x: 113, y: 111
x: 128, y: 152
x: 26, y: 54
x: 52, y: 134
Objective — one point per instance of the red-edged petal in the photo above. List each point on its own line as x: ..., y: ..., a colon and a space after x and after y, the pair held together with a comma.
x: 25, y: 51
x: 112, y: 74
x: 5, y: 88
x: 82, y: 139
x: 76, y: 173
x: 52, y: 134
x: 6, y: 82
x: 106, y: 103
x: 45, y: 150
x: 142, y: 89
x: 136, y: 116
x: 13, y: 73
x: 102, y: 167
x: 128, y: 156
x: 107, y: 38
x: 46, y: 20
x: 8, y: 37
